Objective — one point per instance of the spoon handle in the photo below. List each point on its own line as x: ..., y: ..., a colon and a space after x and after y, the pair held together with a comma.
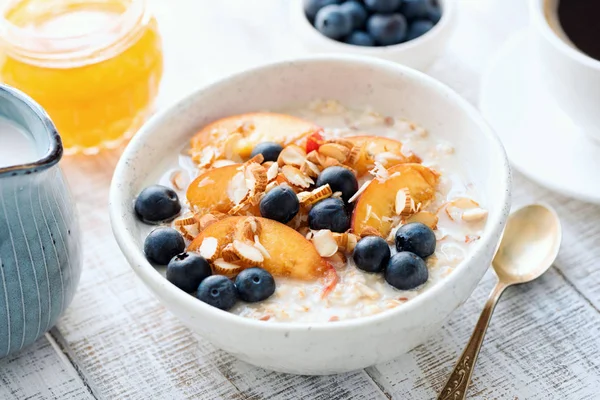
x: 458, y: 382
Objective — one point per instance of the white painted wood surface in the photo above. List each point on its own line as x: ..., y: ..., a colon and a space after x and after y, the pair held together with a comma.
x: 119, y: 342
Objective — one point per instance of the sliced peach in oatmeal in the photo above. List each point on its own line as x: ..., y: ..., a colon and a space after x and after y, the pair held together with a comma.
x: 237, y: 135
x: 411, y: 185
x: 284, y: 252
x: 384, y: 150
x: 209, y: 191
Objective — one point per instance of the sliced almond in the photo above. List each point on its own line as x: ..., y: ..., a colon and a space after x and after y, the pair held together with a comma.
x: 463, y: 202
x: 341, y: 141
x: 207, y: 156
x: 404, y: 203
x: 237, y: 190
x: 370, y: 231
x: 314, y: 157
x: 424, y: 217
x: 271, y: 186
x: 185, y: 221
x: 209, y: 248
x: 334, y: 150
x: 256, y: 178
x: 345, y: 241
x: 272, y: 172
x: 248, y: 254
x: 261, y: 248
x: 228, y: 254
x: 338, y: 260
x: 291, y: 155
x: 354, y: 155
x: 222, y: 267
x: 179, y: 180
x: 186, y: 233
x: 359, y: 192
x: 314, y: 196
x: 310, y: 169
x: 205, y: 221
x: 258, y: 159
x: 474, y: 215
x: 330, y: 162
x: 295, y: 177
x: 246, y: 228
x: 230, y: 146
x: 324, y: 243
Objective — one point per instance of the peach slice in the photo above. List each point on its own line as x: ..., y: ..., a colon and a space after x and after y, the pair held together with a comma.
x: 209, y: 191
x: 289, y: 253
x: 375, y: 148
x: 376, y: 205
x: 253, y: 129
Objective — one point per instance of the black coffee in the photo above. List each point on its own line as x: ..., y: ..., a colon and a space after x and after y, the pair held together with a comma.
x: 580, y: 20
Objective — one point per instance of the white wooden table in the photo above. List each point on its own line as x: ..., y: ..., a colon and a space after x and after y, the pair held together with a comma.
x: 116, y: 341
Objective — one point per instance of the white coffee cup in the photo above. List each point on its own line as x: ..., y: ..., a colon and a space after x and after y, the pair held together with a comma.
x: 572, y: 76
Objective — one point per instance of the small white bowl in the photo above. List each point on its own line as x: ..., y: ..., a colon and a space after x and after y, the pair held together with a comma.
x: 418, y: 53
x: 318, y: 348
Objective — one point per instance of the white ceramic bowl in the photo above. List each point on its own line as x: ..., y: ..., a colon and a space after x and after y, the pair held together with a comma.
x: 419, y: 53
x: 319, y: 348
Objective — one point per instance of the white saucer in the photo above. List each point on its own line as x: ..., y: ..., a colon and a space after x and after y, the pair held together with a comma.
x: 540, y: 138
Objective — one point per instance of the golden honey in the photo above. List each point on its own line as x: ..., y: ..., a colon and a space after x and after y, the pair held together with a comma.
x: 94, y: 65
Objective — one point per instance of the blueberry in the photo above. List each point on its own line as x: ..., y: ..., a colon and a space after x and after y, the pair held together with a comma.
x: 387, y: 30
x: 217, y: 291
x: 371, y: 254
x: 406, y: 271
x: 312, y: 7
x: 187, y: 270
x: 269, y: 150
x: 340, y: 179
x: 332, y: 22
x: 360, y: 38
x: 254, y: 284
x: 418, y: 28
x: 162, y: 244
x: 413, y: 9
x: 417, y: 238
x: 329, y: 214
x: 356, y: 11
x: 280, y: 204
x: 383, y: 6
x: 434, y: 14
x: 157, y: 204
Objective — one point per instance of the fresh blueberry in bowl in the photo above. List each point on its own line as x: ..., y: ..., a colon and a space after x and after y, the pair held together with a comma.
x: 329, y: 214
x: 340, y: 179
x: 417, y: 238
x: 406, y: 271
x: 217, y: 291
x: 187, y: 271
x: 360, y: 38
x: 269, y: 150
x: 156, y: 204
x: 280, y: 204
x: 383, y: 6
x: 357, y: 12
x: 387, y: 30
x: 254, y: 284
x: 371, y: 254
x: 333, y: 22
x: 434, y: 14
x: 418, y: 28
x: 162, y: 244
x: 312, y: 7
x: 414, y: 9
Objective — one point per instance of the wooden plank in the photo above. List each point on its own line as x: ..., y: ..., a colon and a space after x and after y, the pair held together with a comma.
x: 39, y: 372
x: 542, y: 344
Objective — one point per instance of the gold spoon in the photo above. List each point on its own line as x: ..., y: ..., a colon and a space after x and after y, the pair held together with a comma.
x: 528, y: 248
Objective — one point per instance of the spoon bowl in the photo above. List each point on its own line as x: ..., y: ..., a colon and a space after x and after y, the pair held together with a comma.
x: 529, y: 245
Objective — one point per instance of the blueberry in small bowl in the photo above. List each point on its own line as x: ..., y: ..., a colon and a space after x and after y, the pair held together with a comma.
x: 187, y: 271
x: 411, y: 32
x: 329, y: 214
x: 255, y: 284
x: 162, y: 244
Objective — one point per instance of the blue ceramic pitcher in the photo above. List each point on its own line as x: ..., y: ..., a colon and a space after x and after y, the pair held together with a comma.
x: 40, y: 251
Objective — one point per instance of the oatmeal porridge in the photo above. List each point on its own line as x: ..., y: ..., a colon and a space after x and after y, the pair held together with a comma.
x: 347, y: 213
